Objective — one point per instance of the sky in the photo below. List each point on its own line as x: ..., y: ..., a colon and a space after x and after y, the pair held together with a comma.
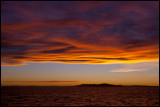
x: 76, y: 42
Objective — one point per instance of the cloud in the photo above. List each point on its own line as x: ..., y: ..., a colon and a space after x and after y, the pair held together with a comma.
x: 63, y: 50
x: 43, y: 81
x: 99, y: 33
x: 127, y: 70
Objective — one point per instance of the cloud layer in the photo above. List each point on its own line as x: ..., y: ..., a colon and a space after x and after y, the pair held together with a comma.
x: 44, y: 81
x: 127, y: 70
x: 79, y: 32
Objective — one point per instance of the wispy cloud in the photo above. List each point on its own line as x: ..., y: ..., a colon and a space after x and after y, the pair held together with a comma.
x: 43, y: 81
x: 127, y: 70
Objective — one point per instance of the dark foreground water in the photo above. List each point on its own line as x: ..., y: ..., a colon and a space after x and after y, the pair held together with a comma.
x: 80, y: 96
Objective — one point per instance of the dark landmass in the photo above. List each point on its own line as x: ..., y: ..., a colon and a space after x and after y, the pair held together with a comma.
x: 89, y: 85
x: 111, y: 85
x: 99, y: 85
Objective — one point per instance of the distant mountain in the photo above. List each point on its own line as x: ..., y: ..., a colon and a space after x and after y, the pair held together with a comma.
x: 99, y: 85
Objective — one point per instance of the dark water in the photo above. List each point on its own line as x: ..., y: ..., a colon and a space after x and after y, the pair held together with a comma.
x: 80, y: 96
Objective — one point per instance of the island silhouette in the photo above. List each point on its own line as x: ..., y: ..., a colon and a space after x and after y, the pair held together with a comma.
x: 99, y: 85
x: 110, y: 85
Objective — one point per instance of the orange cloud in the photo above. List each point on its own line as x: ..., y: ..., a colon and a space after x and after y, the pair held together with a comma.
x: 100, y: 33
x: 43, y: 81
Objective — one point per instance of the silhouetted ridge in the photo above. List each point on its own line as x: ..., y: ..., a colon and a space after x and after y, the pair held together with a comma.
x: 99, y: 85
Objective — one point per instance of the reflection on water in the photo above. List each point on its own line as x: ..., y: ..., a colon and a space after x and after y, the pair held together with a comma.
x: 80, y: 96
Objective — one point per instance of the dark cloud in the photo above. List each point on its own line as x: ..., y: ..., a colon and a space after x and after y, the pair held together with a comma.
x: 14, y: 49
x: 102, y: 32
x: 63, y: 50
x: 106, y: 58
x: 114, y: 58
x: 20, y: 57
x: 72, y: 60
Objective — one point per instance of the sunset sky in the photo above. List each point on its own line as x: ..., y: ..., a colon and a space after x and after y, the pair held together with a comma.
x: 76, y: 42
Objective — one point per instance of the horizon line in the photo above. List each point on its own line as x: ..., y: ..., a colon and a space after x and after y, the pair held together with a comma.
x: 73, y: 85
